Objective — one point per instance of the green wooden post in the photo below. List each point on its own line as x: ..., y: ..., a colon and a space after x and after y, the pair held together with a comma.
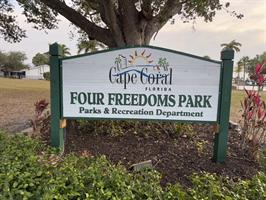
x: 221, y: 137
x: 57, y: 133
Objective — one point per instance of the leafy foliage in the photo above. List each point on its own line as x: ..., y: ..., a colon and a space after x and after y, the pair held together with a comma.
x: 209, y: 186
x: 232, y: 45
x: 249, y: 64
x: 29, y: 170
x: 114, y: 23
x: 259, y: 75
x: 263, y: 160
x: 12, y: 61
x: 40, y: 59
x: 117, y: 128
x: 9, y: 28
x: 41, y: 114
x: 89, y: 46
x: 254, y: 116
x: 65, y: 50
x: 46, y: 75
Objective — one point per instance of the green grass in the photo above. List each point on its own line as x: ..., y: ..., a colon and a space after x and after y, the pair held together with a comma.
x: 23, y: 84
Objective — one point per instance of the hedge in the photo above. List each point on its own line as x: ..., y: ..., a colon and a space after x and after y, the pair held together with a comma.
x: 30, y: 170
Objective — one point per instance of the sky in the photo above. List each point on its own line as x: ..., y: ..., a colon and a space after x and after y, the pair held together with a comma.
x: 203, y: 39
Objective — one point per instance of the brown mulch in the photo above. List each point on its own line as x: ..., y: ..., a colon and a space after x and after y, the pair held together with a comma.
x: 175, y: 157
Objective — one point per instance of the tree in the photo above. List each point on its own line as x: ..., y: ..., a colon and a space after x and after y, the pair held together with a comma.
x: 118, y: 63
x: 117, y: 23
x: 3, y: 58
x: 243, y: 62
x: 254, y: 61
x: 89, y: 46
x: 232, y: 45
x: 163, y: 63
x: 40, y: 59
x: 9, y: 28
x: 238, y: 70
x: 262, y: 57
x: 65, y: 50
x: 263, y: 60
x: 13, y: 61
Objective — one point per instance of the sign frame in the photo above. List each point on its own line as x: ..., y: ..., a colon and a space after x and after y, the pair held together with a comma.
x: 224, y: 97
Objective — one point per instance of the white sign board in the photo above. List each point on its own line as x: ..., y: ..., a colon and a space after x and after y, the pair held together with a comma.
x: 140, y: 83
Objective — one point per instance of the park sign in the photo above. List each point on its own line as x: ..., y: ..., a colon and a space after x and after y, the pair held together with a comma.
x: 141, y: 83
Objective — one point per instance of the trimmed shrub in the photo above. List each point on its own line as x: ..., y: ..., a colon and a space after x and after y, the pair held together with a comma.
x: 29, y: 170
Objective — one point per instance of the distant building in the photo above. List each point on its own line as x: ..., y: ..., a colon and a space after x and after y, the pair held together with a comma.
x: 36, y: 72
x: 12, y: 74
x: 2, y: 74
x: 30, y: 73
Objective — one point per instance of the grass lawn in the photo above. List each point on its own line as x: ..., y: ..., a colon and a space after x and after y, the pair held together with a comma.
x: 23, y: 84
x: 17, y: 98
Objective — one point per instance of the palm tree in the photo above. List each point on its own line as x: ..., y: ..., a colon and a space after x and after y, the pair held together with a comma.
x: 65, y: 50
x: 163, y: 63
x: 89, y: 46
x: 118, y: 63
x: 232, y: 45
x: 238, y: 70
x: 244, y: 62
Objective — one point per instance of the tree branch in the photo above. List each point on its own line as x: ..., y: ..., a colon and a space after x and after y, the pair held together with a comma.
x: 170, y: 9
x: 96, y: 32
x: 146, y: 9
x: 109, y: 16
x: 130, y: 20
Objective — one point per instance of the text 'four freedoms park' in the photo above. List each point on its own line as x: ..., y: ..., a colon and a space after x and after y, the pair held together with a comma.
x: 88, y: 103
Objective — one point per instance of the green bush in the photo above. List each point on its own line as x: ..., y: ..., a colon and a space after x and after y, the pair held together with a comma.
x: 263, y: 159
x: 209, y: 186
x: 29, y: 170
x: 46, y: 76
x: 117, y: 128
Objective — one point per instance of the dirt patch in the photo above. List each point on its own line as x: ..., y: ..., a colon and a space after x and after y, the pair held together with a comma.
x: 17, y: 107
x: 176, y: 158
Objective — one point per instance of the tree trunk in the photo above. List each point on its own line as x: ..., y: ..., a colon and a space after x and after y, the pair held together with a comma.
x: 125, y: 25
x: 244, y: 74
x: 238, y: 80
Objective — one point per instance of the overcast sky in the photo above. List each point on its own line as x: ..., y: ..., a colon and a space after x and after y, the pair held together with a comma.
x: 250, y: 31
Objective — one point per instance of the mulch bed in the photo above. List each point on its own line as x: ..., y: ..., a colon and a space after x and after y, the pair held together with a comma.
x: 175, y: 157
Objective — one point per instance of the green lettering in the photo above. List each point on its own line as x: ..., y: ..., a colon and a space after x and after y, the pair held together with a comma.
x: 189, y: 102
x: 182, y: 99
x: 207, y: 101
x: 72, y: 97
x: 198, y: 100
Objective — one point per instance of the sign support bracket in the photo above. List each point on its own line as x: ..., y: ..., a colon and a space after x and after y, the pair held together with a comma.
x: 57, y: 129
x: 221, y: 136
